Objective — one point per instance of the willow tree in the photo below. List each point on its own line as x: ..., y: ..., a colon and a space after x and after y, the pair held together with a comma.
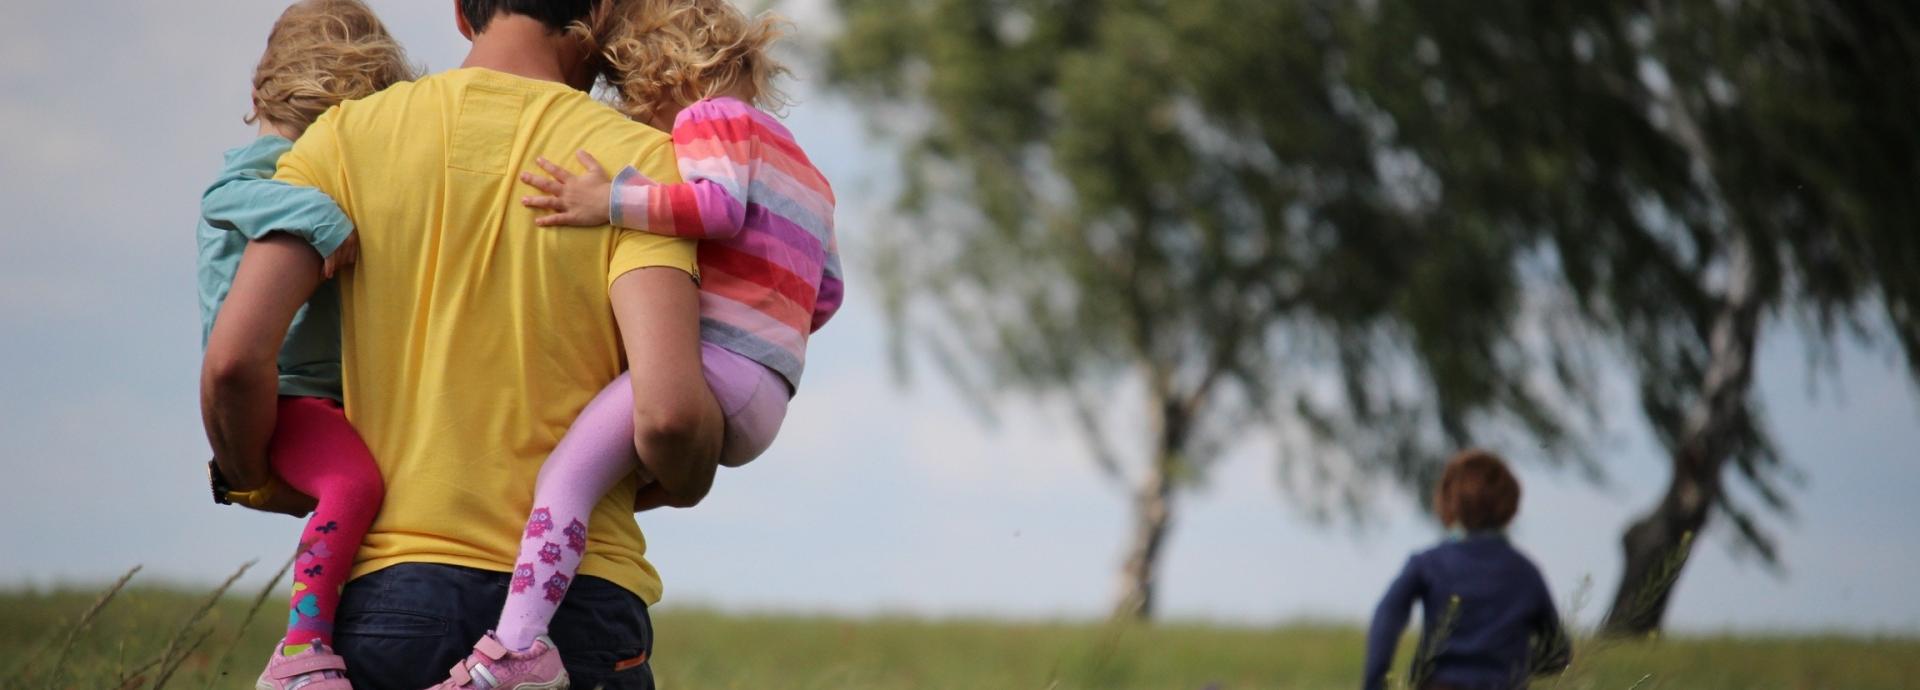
x: 1797, y: 121
x: 1696, y: 170
x: 1174, y: 221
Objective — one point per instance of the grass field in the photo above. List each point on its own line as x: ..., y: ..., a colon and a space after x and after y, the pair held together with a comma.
x: 126, y: 646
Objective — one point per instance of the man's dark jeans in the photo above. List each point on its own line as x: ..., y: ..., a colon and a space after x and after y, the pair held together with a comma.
x: 403, y: 627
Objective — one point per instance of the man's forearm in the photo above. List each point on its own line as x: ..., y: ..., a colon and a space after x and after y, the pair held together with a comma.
x: 676, y: 422
x: 237, y: 406
x: 239, y: 378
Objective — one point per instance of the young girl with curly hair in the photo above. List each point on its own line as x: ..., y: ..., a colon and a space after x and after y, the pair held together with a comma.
x: 319, y: 53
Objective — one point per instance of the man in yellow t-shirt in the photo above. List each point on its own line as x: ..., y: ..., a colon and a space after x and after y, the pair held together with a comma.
x: 471, y: 340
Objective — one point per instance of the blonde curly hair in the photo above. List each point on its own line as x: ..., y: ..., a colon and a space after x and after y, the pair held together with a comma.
x: 663, y: 55
x: 322, y: 52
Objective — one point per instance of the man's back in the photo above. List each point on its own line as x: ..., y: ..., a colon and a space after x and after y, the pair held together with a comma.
x: 471, y: 337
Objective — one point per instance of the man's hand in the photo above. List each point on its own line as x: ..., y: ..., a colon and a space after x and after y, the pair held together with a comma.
x: 652, y: 496
x: 240, y: 377
x: 346, y: 254
x: 275, y: 497
x: 577, y: 200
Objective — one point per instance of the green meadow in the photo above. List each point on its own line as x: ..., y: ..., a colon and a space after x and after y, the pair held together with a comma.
x: 144, y: 637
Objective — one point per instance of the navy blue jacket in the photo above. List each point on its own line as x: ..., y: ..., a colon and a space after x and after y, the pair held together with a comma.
x: 1502, y: 631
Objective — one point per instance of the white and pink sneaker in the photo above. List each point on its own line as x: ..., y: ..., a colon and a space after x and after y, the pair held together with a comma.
x: 492, y: 666
x: 316, y: 668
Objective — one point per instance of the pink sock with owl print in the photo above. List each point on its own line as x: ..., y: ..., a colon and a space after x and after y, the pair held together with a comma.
x: 596, y: 453
x: 317, y: 452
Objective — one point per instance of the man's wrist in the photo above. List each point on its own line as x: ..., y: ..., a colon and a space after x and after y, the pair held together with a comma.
x: 217, y: 482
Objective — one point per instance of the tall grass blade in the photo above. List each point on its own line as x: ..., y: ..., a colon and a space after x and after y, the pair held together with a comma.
x: 130, y: 678
x: 273, y: 583
x: 80, y: 626
x: 1432, y: 643
x: 173, y: 665
x: 177, y: 651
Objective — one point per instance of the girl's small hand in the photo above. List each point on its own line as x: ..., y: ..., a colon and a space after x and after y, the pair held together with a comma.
x: 346, y: 254
x: 576, y: 200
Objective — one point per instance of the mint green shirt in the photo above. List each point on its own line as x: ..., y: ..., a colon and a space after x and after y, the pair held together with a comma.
x: 245, y: 204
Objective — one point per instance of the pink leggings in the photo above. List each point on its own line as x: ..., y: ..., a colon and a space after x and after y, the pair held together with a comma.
x: 316, y: 451
x: 752, y: 398
x: 595, y: 454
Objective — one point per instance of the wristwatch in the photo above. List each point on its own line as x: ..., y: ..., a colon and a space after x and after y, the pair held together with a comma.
x: 218, y: 483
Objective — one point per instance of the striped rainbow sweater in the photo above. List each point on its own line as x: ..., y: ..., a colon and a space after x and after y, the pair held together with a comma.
x: 769, y: 263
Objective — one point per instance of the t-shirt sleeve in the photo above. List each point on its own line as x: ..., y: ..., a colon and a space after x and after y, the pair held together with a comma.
x: 314, y: 161
x: 246, y: 200
x: 257, y: 207
x: 634, y: 249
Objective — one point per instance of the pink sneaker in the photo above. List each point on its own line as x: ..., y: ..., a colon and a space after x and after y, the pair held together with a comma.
x: 492, y: 667
x: 317, y: 668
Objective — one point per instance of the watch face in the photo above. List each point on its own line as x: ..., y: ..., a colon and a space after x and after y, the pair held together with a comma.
x: 217, y: 484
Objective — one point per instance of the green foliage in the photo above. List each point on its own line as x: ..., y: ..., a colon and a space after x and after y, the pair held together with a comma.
x: 1396, y: 226
x: 1188, y: 199
x: 1640, y: 145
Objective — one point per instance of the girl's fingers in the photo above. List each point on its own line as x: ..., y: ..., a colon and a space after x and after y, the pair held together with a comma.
x: 556, y: 171
x: 346, y: 254
x: 567, y: 219
x: 593, y: 165
x: 544, y: 184
x: 547, y: 202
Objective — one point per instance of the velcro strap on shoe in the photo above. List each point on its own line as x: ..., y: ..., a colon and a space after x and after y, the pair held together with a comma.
x: 328, y: 684
x: 293, y: 668
x: 490, y: 648
x: 459, y: 673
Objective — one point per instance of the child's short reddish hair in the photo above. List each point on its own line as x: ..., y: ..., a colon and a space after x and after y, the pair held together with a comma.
x: 322, y: 52
x: 1477, y: 492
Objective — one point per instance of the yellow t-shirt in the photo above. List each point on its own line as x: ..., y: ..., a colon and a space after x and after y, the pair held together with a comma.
x: 471, y: 338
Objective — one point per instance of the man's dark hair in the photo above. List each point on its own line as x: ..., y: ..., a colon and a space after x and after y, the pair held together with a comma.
x: 557, y: 15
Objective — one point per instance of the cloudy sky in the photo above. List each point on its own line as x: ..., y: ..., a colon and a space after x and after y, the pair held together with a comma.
x: 877, y: 499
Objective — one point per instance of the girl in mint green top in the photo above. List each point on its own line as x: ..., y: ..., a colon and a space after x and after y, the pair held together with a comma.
x: 314, y: 449
x: 244, y: 204
x: 319, y: 54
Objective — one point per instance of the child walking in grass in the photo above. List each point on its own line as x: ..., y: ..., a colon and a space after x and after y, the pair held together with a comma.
x: 769, y: 269
x: 1487, y: 619
x: 320, y: 52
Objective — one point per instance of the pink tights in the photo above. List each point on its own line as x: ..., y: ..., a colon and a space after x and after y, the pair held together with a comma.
x: 594, y: 455
x: 316, y: 451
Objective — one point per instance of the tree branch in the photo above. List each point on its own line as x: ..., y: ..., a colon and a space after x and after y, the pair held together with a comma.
x: 1094, y: 433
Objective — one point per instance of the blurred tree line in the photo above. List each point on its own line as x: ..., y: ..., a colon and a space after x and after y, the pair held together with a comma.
x: 1368, y: 232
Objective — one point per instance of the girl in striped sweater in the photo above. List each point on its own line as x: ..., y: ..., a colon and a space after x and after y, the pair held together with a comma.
x: 769, y: 269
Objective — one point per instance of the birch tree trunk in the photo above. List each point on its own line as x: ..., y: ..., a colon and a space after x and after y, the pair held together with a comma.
x: 1152, y: 517
x: 1657, y: 545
